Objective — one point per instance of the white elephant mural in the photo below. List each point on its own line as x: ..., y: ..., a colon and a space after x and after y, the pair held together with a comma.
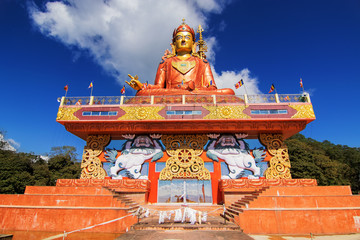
x: 135, y: 151
x: 236, y: 153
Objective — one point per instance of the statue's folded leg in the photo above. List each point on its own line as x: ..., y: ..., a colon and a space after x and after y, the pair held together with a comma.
x: 161, y: 92
x: 169, y: 92
x: 224, y: 91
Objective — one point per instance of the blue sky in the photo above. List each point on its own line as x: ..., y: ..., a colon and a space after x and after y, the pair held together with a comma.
x: 45, y: 47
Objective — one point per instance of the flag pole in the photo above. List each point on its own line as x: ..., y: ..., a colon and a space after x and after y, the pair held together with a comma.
x: 245, y: 88
x: 274, y: 88
x: 91, y: 86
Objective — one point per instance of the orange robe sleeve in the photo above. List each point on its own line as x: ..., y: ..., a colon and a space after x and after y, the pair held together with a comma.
x: 208, y: 81
x: 160, y: 79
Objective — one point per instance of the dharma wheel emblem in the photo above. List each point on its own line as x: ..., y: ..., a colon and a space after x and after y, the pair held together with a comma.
x: 184, y: 162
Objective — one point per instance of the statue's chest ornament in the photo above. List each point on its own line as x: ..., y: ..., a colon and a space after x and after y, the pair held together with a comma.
x: 184, y: 66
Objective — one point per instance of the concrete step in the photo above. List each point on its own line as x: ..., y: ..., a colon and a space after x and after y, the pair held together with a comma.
x: 232, y: 211
x: 67, y: 190
x: 6, y: 237
x: 305, y: 202
x: 60, y: 200
x: 126, y: 201
x: 227, y: 213
x: 238, y: 205
x: 187, y: 227
x: 308, y: 190
x: 176, y: 234
x: 227, y: 218
x: 239, y: 210
x: 243, y: 202
x: 213, y: 223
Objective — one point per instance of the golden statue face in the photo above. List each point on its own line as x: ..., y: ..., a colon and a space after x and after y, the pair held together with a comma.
x: 183, y: 42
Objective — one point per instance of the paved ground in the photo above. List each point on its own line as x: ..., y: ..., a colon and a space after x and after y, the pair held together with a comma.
x: 314, y: 237
x: 214, y: 228
x: 221, y: 235
x: 183, y: 235
x: 212, y: 223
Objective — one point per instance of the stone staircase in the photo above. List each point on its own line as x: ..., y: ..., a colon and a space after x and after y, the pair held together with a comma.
x: 125, y: 198
x: 214, y: 228
x: 295, y: 210
x: 237, y: 207
x: 214, y: 221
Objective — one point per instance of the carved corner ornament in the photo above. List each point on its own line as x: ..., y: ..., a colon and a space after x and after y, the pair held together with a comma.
x: 185, y: 160
x: 303, y: 111
x: 67, y: 113
x: 91, y: 165
x: 279, y: 166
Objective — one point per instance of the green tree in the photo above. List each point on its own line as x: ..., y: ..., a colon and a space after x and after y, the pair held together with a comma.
x: 62, y: 164
x: 328, y: 163
x: 18, y: 170
x: 15, y: 171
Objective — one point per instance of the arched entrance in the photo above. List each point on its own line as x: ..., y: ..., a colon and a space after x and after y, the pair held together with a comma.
x: 184, y: 178
x: 184, y: 191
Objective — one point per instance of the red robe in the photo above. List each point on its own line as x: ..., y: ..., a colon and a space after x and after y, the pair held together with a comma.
x: 178, y: 77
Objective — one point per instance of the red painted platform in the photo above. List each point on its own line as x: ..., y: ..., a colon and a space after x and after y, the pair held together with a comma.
x: 140, y: 115
x: 69, y: 208
x: 260, y: 208
x: 264, y: 206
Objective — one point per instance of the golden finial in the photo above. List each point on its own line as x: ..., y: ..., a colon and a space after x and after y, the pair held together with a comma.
x: 200, y: 30
x: 183, y: 23
x: 201, y: 43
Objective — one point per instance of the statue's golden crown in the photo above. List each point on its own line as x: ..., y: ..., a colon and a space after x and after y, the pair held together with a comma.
x: 184, y: 28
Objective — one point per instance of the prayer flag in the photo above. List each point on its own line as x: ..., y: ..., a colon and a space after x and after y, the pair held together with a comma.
x: 123, y: 90
x: 272, y: 88
x: 287, y: 98
x: 239, y: 84
x: 91, y: 85
x: 66, y: 88
x: 301, y: 84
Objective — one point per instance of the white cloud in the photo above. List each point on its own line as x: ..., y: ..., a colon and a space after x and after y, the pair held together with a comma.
x: 125, y: 37
x: 13, y: 143
x: 228, y: 79
x: 8, y: 144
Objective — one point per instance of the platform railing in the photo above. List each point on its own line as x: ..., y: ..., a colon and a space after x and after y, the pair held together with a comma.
x: 186, y: 99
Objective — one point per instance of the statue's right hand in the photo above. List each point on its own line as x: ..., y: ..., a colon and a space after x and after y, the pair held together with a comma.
x: 135, y: 83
